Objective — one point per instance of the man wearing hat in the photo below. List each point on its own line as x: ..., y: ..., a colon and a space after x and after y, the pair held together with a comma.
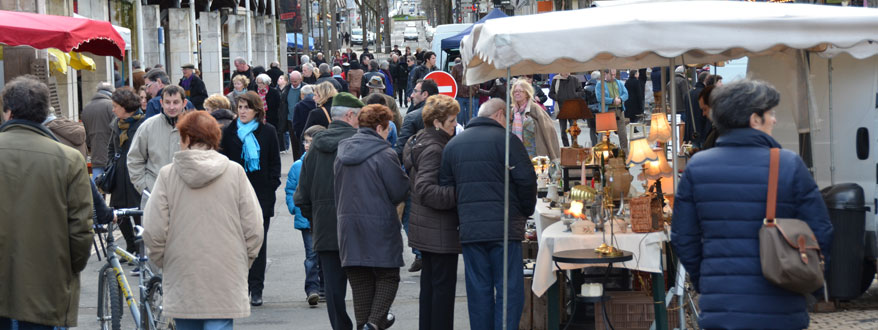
x: 376, y: 85
x: 316, y: 198
x: 196, y: 92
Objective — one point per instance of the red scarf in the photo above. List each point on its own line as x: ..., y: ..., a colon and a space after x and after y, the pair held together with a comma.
x: 262, y: 93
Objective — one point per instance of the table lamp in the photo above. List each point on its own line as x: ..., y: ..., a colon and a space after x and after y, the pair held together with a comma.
x: 656, y: 170
x: 640, y: 152
x: 605, y: 122
x: 659, y: 128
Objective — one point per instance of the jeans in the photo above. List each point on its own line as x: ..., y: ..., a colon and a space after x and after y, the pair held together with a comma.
x: 336, y: 290
x: 406, y: 213
x: 10, y: 324
x: 204, y: 324
x: 466, y: 109
x: 313, y: 273
x: 484, y: 284
x: 438, y: 283
x: 96, y: 172
x: 400, y: 94
x: 286, y: 140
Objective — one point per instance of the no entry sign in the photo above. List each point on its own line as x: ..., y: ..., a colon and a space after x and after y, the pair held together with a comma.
x: 446, y: 83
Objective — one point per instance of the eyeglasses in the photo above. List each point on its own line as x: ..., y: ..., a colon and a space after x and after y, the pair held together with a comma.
x: 417, y: 91
x: 147, y: 85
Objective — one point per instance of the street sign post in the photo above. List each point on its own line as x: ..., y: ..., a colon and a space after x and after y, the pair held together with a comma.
x: 446, y: 83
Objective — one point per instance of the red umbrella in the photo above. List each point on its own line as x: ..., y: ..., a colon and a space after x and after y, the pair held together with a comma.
x: 61, y: 32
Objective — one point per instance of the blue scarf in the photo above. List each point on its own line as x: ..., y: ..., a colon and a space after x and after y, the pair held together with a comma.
x: 250, y: 152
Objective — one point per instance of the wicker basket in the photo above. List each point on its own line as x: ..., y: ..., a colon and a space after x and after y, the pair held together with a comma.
x: 631, y: 310
x: 646, y: 214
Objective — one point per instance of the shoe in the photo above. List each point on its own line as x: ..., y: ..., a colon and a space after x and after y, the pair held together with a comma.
x: 256, y: 299
x: 390, y: 318
x: 370, y: 326
x: 313, y: 298
x: 322, y: 296
x: 416, y: 266
x: 135, y: 271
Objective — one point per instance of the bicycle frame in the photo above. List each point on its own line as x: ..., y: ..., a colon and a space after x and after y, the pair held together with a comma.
x: 122, y: 281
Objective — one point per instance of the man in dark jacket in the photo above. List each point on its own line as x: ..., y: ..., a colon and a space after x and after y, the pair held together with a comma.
x: 301, y: 111
x: 421, y: 71
x: 96, y: 116
x: 274, y: 72
x: 326, y: 76
x: 242, y: 68
x: 399, y: 70
x: 634, y: 104
x: 156, y: 80
x: 694, y: 117
x: 196, y: 92
x: 466, y: 95
x: 336, y: 74
x: 289, y: 99
x: 563, y: 87
x: 315, y: 196
x: 47, y: 214
x: 474, y: 163
x: 413, y: 121
x: 373, y: 71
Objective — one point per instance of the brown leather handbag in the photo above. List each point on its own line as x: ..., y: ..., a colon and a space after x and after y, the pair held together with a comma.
x: 574, y: 109
x: 788, y: 250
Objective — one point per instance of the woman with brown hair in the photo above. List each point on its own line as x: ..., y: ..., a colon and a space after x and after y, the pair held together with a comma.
x: 433, y: 223
x: 323, y: 94
x: 218, y: 242
x: 369, y: 183
x: 252, y: 143
x: 129, y: 116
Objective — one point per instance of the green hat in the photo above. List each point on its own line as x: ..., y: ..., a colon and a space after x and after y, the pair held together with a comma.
x: 346, y: 100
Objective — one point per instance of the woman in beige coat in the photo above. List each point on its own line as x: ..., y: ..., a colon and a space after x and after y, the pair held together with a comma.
x: 532, y: 124
x: 203, y: 227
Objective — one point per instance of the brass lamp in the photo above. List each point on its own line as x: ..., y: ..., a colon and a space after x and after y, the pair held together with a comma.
x: 656, y: 170
x: 659, y: 128
x: 605, y: 123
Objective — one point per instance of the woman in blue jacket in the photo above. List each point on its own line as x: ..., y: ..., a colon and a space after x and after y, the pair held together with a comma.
x: 313, y: 273
x: 720, y: 205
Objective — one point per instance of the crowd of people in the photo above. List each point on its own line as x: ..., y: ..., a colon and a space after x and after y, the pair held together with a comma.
x: 364, y: 172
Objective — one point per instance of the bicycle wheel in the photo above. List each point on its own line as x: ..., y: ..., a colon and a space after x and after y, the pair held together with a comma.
x: 109, y: 300
x: 154, y: 303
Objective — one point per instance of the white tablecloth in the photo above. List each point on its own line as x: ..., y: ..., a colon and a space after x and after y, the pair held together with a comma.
x: 646, y: 248
x: 545, y: 216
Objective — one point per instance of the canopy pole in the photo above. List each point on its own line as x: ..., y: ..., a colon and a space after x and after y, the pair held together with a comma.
x: 274, y: 56
x: 130, y: 69
x: 674, y: 129
x: 249, y: 36
x: 506, y: 205
x: 138, y: 17
x: 831, y: 131
x: 193, y: 36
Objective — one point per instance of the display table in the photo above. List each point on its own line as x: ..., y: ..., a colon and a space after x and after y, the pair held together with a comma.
x: 645, y: 247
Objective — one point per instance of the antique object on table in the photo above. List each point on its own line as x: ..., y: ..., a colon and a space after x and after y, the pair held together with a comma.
x: 657, y: 171
x: 659, y: 128
x: 541, y: 167
x: 618, y: 225
x: 605, y: 212
x: 575, y: 156
x: 582, y: 227
x: 640, y: 152
x: 618, y: 177
x: 604, y: 123
x: 646, y: 213
x: 583, y: 193
x: 574, y: 109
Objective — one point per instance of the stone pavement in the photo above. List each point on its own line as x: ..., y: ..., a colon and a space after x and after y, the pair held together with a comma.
x: 861, y: 313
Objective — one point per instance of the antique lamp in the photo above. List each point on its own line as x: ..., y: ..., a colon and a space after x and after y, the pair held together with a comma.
x: 656, y: 170
x: 605, y: 123
x: 659, y: 128
x: 639, y: 152
x: 579, y: 195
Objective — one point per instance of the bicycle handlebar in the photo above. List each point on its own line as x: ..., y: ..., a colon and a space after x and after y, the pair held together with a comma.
x: 127, y: 212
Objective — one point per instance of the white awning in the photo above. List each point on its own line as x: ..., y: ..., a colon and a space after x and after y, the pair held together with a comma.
x: 648, y: 34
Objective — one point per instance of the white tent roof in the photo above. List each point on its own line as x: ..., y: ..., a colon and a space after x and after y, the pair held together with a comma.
x: 648, y: 34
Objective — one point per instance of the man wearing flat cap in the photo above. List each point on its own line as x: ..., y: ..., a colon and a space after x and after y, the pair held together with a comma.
x: 196, y: 92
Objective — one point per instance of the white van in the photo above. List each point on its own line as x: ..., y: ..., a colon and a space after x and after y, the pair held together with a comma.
x: 442, y: 32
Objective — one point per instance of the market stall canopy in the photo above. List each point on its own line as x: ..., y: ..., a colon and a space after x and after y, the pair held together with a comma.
x: 648, y: 34
x: 62, y: 32
x: 295, y: 40
x: 453, y: 42
x: 124, y: 32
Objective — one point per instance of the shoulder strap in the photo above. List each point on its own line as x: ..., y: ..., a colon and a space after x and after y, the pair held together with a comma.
x: 328, y: 118
x: 771, y: 201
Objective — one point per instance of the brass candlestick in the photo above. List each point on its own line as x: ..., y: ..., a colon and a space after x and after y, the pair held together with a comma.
x: 574, y: 131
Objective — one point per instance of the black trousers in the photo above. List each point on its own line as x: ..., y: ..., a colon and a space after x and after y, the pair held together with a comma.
x: 564, y: 135
x: 592, y: 133
x: 335, y: 285
x: 438, y: 283
x: 297, y: 147
x: 400, y: 94
x: 374, y: 290
x: 127, y: 230
x: 256, y: 278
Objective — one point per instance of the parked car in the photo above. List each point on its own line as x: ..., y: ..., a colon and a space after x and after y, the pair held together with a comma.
x: 357, y: 37
x: 410, y: 33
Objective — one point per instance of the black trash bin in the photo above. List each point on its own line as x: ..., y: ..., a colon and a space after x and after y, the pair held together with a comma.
x: 847, y: 211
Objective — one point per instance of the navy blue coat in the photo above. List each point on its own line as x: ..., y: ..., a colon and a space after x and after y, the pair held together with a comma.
x: 718, y: 211
x: 473, y: 162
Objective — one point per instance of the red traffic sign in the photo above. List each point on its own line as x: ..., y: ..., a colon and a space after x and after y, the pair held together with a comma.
x: 382, y: 21
x: 446, y: 83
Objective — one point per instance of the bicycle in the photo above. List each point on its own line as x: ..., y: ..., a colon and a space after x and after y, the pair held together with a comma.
x: 113, y: 286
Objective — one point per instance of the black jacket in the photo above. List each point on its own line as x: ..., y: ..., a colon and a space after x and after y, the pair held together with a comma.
x: 317, y: 117
x: 412, y: 123
x: 275, y: 111
x: 331, y: 80
x: 695, y: 119
x: 266, y: 180
x: 474, y: 163
x: 274, y: 73
x: 369, y: 184
x: 634, y: 104
x: 249, y: 75
x: 197, y: 91
x: 400, y: 73
x: 343, y: 83
x: 300, y: 116
x: 315, y: 195
x: 433, y: 223
x: 124, y: 194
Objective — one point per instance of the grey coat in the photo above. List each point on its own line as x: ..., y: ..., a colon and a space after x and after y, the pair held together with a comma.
x: 97, y: 115
x: 369, y: 183
x: 433, y: 225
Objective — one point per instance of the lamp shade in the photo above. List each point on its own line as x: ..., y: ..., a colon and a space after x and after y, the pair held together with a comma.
x: 659, y: 168
x: 639, y: 152
x: 659, y: 128
x: 605, y: 122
